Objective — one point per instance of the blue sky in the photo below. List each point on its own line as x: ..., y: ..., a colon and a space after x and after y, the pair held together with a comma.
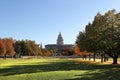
x: 42, y: 20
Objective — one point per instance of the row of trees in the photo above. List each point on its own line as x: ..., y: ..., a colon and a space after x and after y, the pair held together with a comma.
x: 17, y: 48
x: 102, y: 35
x: 30, y: 48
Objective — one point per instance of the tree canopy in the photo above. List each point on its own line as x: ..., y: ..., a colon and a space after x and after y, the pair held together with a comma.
x: 102, y: 35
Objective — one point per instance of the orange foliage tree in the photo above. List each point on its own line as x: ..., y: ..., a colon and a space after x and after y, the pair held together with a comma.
x: 9, y: 46
x: 78, y: 52
x: 6, y: 47
x: 2, y: 47
x: 46, y: 52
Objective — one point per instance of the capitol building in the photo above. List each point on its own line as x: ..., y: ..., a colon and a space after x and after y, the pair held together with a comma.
x: 59, y: 46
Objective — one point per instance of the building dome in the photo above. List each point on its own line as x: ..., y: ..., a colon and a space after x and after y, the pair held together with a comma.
x: 60, y: 39
x: 60, y: 46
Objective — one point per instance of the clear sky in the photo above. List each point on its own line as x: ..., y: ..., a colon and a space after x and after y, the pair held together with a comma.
x: 42, y: 20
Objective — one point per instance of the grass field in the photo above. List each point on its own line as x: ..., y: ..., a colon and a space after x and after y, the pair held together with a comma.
x: 56, y: 69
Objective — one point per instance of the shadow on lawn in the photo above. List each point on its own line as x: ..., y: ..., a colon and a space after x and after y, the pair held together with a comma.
x: 107, y: 70
x: 105, y: 75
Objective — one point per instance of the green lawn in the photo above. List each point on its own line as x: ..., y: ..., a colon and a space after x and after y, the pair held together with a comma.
x: 56, y: 69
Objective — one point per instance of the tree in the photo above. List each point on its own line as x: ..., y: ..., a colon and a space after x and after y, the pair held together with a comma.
x: 76, y: 49
x: 102, y: 35
x: 67, y: 52
x: 2, y: 47
x: 46, y: 52
x: 9, y: 47
x: 27, y: 48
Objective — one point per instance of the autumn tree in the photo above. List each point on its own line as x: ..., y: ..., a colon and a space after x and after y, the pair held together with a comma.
x: 2, y: 48
x: 9, y: 47
x: 78, y: 52
x: 76, y: 49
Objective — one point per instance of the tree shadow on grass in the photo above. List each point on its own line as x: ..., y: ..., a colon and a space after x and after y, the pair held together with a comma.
x: 106, y: 75
x: 108, y: 72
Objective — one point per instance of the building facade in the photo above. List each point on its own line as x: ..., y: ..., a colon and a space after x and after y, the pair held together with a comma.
x: 59, y: 46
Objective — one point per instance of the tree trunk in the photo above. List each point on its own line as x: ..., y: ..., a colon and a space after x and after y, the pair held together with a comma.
x: 83, y: 57
x: 94, y: 57
x: 104, y: 58
x: 89, y: 56
x: 5, y: 56
x: 115, y: 59
x: 101, y: 58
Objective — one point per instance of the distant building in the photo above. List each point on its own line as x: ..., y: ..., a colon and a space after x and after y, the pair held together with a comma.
x: 59, y: 46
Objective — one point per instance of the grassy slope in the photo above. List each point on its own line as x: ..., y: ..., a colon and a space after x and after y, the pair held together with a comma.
x: 56, y: 69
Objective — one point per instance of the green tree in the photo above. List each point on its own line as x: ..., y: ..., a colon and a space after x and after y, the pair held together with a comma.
x: 27, y: 47
x: 102, y: 36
